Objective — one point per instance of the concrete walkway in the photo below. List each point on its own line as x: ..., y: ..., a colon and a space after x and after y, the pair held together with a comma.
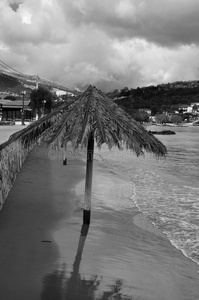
x: 41, y: 197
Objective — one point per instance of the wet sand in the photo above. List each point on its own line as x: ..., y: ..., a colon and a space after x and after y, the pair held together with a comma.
x: 45, y: 253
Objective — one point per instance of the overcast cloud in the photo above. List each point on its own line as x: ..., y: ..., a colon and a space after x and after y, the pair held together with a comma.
x: 107, y: 43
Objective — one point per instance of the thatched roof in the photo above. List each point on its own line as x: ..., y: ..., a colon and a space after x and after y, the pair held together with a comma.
x: 93, y: 112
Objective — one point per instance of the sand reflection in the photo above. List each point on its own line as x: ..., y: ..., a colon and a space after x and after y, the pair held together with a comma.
x: 57, y: 285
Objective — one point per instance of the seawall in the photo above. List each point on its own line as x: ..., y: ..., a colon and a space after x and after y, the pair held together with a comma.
x: 12, y: 157
x: 14, y: 152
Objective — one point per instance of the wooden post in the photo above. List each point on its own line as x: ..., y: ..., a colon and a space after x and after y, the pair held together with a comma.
x: 65, y: 154
x: 88, y: 183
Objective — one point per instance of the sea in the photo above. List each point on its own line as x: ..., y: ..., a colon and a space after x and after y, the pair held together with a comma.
x: 165, y: 190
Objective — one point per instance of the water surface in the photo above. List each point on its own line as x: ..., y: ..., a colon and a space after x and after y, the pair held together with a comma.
x: 166, y: 190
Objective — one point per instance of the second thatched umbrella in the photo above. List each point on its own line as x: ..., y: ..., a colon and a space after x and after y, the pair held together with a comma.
x: 93, y: 117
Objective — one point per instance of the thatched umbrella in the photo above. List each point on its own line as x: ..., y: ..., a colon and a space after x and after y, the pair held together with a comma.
x: 93, y: 117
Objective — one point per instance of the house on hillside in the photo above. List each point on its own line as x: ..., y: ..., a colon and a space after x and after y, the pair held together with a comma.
x: 60, y: 93
x: 183, y: 108
x: 147, y: 110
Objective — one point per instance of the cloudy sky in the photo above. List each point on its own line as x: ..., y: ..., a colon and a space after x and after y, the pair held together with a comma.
x: 107, y: 43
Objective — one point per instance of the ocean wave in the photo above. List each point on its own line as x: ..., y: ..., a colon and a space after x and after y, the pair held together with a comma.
x: 165, y: 191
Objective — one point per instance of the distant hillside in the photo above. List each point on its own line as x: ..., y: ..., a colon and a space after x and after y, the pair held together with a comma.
x: 15, y: 83
x: 157, y: 98
x: 9, y: 83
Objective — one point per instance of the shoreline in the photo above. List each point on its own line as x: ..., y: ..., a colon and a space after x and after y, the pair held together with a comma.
x: 142, y: 222
x: 171, y: 241
x: 167, y: 236
x: 160, y: 260
x: 43, y: 254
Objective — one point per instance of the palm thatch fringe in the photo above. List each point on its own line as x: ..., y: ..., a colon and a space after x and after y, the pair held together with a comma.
x: 93, y: 111
x: 41, y: 126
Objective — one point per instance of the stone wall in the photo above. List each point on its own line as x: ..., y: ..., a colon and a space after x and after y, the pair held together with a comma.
x: 12, y: 157
x: 14, y: 152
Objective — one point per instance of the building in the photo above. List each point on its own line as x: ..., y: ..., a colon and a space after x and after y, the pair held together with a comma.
x: 147, y: 110
x: 60, y: 93
x: 183, y: 108
x: 12, y: 110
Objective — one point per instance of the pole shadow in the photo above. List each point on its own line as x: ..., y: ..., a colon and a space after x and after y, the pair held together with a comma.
x: 57, y: 286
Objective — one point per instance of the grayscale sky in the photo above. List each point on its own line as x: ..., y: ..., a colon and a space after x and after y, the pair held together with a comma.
x: 107, y: 43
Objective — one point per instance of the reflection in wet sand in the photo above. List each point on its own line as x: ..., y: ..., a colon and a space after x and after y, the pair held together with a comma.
x: 57, y: 286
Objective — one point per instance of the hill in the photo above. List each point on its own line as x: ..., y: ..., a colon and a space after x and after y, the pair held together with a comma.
x: 11, y: 82
x: 157, y: 98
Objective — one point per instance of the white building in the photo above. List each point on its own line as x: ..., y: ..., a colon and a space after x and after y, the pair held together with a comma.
x: 60, y: 93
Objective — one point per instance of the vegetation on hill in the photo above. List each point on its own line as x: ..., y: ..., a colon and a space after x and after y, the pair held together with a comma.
x: 9, y: 83
x: 157, y: 98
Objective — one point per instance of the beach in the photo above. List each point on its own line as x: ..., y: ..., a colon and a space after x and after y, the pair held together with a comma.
x: 46, y: 254
x: 7, y: 130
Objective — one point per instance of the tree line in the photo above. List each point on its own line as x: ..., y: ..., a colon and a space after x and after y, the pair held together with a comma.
x: 154, y: 98
x: 158, y: 100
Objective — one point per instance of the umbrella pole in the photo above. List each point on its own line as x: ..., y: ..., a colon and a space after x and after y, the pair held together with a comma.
x: 88, y: 183
x: 65, y: 154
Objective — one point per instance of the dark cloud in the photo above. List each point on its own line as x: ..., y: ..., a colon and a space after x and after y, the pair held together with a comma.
x: 107, y: 43
x: 14, y: 6
x: 164, y: 22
